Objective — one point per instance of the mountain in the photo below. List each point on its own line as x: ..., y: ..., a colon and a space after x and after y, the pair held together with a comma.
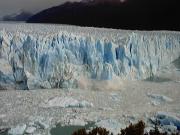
x: 127, y: 14
x: 20, y: 16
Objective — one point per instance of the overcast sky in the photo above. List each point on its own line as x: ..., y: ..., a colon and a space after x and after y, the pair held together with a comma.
x: 12, y: 6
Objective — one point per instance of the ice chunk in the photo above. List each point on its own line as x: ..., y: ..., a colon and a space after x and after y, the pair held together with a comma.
x: 77, y: 122
x: 85, y: 104
x: 67, y: 102
x: 30, y: 130
x: 157, y: 99
x: 111, y: 124
x: 160, y: 97
x: 42, y: 124
x: 18, y: 130
x: 168, y: 119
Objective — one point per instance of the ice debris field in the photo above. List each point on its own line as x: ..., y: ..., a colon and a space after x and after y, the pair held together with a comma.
x: 76, y: 75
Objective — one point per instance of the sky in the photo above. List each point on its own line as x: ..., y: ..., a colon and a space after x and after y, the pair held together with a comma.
x: 13, y: 6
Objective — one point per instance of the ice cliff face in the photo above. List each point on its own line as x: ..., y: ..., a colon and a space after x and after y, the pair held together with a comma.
x: 44, y: 56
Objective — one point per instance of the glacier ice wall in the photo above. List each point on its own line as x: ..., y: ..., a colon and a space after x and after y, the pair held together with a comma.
x: 58, y: 59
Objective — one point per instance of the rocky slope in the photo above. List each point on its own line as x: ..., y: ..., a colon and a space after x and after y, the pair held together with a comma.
x: 20, y: 16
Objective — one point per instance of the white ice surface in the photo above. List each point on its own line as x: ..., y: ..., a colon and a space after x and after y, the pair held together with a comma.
x: 40, y: 54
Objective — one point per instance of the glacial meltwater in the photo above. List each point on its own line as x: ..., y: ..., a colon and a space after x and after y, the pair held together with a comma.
x: 68, y: 130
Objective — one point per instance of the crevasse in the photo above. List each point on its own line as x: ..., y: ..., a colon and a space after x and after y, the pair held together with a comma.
x: 56, y: 60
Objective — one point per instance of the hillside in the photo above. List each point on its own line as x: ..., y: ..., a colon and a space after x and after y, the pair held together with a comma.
x: 129, y: 14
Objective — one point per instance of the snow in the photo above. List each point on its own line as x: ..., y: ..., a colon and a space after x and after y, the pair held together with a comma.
x: 40, y: 54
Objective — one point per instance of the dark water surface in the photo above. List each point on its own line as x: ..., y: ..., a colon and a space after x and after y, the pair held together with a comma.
x: 177, y: 63
x: 68, y: 130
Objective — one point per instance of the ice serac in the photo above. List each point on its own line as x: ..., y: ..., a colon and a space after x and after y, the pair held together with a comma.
x: 34, y: 56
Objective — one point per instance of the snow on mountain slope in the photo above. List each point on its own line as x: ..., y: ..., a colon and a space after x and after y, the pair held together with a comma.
x: 55, y: 56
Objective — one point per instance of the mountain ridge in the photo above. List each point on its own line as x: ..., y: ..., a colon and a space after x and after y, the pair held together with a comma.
x: 130, y: 14
x: 22, y: 15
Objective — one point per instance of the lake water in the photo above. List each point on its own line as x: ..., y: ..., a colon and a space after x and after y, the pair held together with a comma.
x: 68, y: 130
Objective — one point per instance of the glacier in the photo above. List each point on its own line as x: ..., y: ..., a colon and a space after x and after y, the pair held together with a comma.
x: 34, y: 56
